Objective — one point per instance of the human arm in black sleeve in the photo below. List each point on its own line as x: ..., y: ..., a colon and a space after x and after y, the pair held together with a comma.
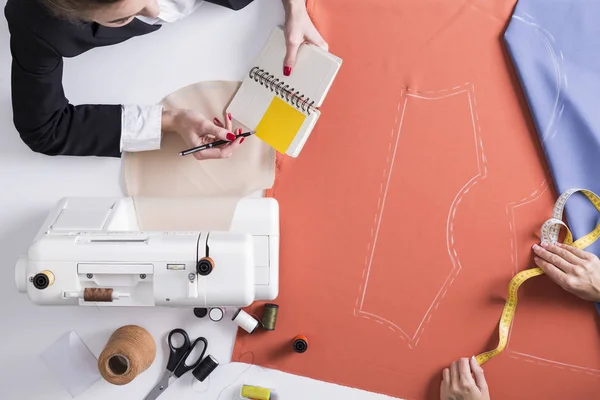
x: 45, y: 119
x: 233, y: 4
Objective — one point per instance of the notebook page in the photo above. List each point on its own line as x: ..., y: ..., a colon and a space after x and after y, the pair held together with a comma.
x: 250, y: 103
x: 282, y: 126
x: 313, y: 73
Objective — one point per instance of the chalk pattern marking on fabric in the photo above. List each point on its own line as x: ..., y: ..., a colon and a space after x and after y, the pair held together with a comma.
x: 510, y: 212
x: 549, y: 233
x: 551, y: 129
x: 469, y: 88
x: 543, y: 361
x: 555, y: 364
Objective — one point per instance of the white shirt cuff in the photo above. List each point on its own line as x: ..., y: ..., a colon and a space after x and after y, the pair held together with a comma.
x: 141, y: 127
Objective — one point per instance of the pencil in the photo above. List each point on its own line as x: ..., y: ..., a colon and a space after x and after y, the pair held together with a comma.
x: 214, y: 144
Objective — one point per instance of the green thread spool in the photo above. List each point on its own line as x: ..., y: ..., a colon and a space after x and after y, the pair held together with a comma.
x: 269, y: 317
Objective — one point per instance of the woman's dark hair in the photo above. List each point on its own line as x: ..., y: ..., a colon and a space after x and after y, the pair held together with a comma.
x: 75, y: 10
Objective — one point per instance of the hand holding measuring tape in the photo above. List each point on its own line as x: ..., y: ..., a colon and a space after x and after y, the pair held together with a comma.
x: 464, y: 380
x: 582, y: 277
x: 573, y: 269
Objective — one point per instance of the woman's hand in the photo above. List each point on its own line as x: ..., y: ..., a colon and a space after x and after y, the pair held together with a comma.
x: 574, y: 270
x: 196, y: 130
x: 464, y: 380
x: 298, y: 29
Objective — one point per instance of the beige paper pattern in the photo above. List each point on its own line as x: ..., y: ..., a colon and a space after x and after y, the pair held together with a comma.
x: 185, y: 213
x: 164, y: 173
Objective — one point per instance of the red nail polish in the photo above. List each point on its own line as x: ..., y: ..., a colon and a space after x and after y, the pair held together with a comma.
x: 287, y: 71
x: 242, y: 140
x: 230, y: 136
x: 239, y: 131
x: 229, y: 116
x: 216, y: 121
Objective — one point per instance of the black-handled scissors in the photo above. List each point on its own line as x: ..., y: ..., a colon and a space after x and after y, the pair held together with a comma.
x: 177, y: 364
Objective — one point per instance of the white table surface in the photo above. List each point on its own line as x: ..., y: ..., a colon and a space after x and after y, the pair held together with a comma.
x: 214, y: 43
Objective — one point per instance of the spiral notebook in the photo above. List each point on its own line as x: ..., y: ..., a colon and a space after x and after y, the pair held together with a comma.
x: 283, y: 110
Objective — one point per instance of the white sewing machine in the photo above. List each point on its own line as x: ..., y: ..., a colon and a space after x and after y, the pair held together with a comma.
x: 91, y: 252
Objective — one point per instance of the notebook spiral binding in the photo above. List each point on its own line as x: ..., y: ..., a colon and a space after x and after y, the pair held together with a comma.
x: 281, y: 89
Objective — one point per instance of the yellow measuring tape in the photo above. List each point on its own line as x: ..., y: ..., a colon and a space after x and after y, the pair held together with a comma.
x: 549, y: 233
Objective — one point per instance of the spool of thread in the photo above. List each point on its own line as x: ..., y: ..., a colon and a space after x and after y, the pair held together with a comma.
x: 205, y: 368
x: 300, y: 344
x: 129, y: 352
x: 43, y: 279
x: 269, y: 317
x: 205, y: 266
x: 255, y: 393
x: 216, y: 314
x: 98, y: 294
x: 200, y: 312
x: 245, y: 320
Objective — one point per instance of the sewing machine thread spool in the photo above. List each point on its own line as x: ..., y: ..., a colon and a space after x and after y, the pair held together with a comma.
x: 205, y: 368
x: 255, y: 393
x: 43, y: 279
x: 269, y: 317
x: 200, y: 312
x: 129, y: 352
x: 205, y: 266
x: 98, y: 295
x: 216, y: 314
x: 245, y: 320
x: 300, y: 344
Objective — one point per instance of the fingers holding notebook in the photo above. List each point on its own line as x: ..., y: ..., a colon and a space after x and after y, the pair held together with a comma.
x: 299, y: 29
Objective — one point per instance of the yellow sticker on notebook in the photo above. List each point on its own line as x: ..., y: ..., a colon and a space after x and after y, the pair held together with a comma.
x: 280, y: 124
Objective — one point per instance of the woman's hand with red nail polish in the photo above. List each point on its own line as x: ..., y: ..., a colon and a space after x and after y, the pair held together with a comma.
x: 196, y: 130
x: 298, y: 29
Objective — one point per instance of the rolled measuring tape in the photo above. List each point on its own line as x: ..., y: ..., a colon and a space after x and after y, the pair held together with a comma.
x: 550, y: 232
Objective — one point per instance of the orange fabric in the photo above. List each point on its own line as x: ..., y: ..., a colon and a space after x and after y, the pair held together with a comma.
x: 414, y: 202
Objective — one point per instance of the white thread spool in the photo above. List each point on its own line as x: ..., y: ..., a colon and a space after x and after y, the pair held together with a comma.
x: 245, y: 320
x: 216, y: 314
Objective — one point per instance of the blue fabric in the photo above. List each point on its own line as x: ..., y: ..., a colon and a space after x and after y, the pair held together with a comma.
x: 555, y: 47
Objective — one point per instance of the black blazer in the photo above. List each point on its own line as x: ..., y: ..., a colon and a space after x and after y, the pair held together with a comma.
x: 45, y: 119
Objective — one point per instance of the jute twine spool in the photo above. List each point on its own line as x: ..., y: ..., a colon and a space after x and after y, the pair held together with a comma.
x: 129, y: 352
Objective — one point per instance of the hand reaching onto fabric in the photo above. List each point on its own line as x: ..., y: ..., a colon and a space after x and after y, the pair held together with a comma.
x: 196, y: 130
x: 573, y: 269
x: 298, y: 29
x: 464, y: 380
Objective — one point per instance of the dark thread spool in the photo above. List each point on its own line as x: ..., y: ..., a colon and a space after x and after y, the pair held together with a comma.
x: 269, y: 317
x: 205, y: 368
x: 205, y: 266
x: 300, y: 344
x: 42, y: 280
x: 200, y: 312
x: 97, y: 294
